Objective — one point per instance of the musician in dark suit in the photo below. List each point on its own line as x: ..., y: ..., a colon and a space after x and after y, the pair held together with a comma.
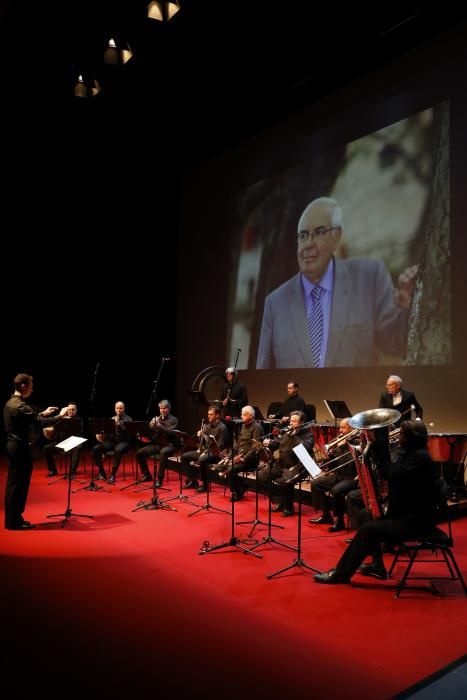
x: 20, y: 418
x: 247, y: 457
x: 360, y: 312
x: 401, y: 400
x: 164, y: 445
x: 119, y: 443
x: 411, y: 499
x: 57, y: 434
x: 338, y: 483
x: 293, y: 402
x: 214, y: 431
x: 283, y: 472
x: 234, y: 396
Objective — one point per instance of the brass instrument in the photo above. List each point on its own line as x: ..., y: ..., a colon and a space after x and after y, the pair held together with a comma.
x: 394, y: 436
x: 49, y: 432
x: 341, y: 439
x: 372, y: 484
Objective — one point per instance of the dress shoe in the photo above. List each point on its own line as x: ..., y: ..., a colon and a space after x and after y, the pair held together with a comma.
x: 236, y: 497
x: 24, y: 526
x: 158, y: 483
x: 101, y: 477
x: 201, y: 489
x: 322, y: 520
x: 331, y: 577
x: 146, y: 477
x: 111, y: 479
x: 287, y: 513
x: 277, y: 507
x: 53, y: 472
x: 373, y: 570
x: 338, y: 526
x: 191, y: 484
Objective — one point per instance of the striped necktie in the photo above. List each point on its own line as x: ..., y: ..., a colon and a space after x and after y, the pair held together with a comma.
x: 315, y: 325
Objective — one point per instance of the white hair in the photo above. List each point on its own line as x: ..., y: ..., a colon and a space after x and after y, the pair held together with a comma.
x: 230, y: 370
x: 395, y: 378
x: 249, y: 409
x: 335, y: 211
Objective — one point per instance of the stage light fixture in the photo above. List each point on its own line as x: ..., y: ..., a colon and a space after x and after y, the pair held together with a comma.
x: 163, y: 10
x: 85, y: 87
x: 116, y: 53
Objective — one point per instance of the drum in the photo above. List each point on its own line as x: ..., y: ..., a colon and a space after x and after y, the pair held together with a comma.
x: 447, y: 447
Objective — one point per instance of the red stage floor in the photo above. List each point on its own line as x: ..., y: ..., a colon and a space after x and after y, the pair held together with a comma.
x: 125, y: 603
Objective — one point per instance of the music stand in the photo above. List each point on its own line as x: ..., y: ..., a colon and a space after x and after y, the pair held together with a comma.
x: 256, y: 521
x: 68, y: 445
x: 338, y: 410
x: 211, y: 445
x: 137, y: 429
x: 313, y: 469
x: 234, y: 541
x: 68, y: 427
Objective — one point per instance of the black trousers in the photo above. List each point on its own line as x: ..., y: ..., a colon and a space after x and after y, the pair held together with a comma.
x: 272, y: 477
x: 144, y: 453
x: 337, y: 490
x: 204, y: 460
x: 20, y: 464
x: 368, y: 539
x: 50, y: 450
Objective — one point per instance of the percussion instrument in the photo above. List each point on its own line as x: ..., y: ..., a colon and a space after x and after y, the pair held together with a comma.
x: 447, y: 447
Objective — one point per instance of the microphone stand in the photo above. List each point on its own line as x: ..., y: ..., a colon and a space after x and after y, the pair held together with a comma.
x: 153, y: 396
x: 92, y: 486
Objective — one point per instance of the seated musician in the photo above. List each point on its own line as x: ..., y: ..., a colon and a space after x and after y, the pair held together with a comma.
x: 163, y: 444
x: 213, y: 438
x: 283, y: 470
x: 293, y: 402
x: 411, y: 498
x: 56, y: 434
x: 340, y: 480
x: 119, y: 443
x: 247, y: 457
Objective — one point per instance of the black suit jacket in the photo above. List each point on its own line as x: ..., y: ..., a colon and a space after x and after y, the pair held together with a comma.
x: 408, y: 400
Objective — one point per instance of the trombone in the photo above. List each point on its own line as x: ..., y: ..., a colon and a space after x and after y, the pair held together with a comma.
x: 341, y: 439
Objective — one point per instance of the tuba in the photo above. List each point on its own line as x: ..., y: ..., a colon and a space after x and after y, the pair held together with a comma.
x: 374, y: 426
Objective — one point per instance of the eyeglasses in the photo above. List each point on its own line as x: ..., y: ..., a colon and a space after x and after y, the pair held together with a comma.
x: 317, y: 233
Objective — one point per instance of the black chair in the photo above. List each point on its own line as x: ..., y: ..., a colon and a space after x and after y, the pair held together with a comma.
x: 437, y: 542
x: 274, y: 408
x: 310, y: 411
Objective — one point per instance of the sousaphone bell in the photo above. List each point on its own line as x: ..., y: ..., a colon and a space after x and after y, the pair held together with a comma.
x: 374, y: 418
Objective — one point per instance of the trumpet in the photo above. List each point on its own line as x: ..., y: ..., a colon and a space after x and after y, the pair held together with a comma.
x: 341, y: 439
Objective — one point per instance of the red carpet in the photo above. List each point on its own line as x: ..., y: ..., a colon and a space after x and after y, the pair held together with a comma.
x: 124, y: 603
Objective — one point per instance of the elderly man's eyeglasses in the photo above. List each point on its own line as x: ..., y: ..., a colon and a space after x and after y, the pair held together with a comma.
x: 317, y: 233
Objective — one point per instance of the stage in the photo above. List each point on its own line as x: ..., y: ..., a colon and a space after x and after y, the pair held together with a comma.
x: 125, y: 603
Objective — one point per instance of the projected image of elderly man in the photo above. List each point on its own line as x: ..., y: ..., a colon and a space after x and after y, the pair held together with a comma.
x: 333, y: 312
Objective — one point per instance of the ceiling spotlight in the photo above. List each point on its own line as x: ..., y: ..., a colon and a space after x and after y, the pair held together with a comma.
x: 86, y: 88
x: 163, y: 10
x: 117, y: 54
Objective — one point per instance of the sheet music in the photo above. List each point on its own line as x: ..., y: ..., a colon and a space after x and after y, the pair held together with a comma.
x: 71, y: 442
x: 307, y: 461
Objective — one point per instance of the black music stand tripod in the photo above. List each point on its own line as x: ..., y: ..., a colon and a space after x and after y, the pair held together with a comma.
x: 207, y: 506
x: 68, y: 445
x: 256, y: 520
x: 68, y: 426
x: 234, y: 541
x: 298, y: 561
x: 269, y: 538
x: 154, y: 503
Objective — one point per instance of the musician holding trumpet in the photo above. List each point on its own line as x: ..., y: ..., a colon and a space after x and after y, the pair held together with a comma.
x: 339, y: 482
x: 411, y: 500
x: 163, y: 443
x: 213, y: 437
